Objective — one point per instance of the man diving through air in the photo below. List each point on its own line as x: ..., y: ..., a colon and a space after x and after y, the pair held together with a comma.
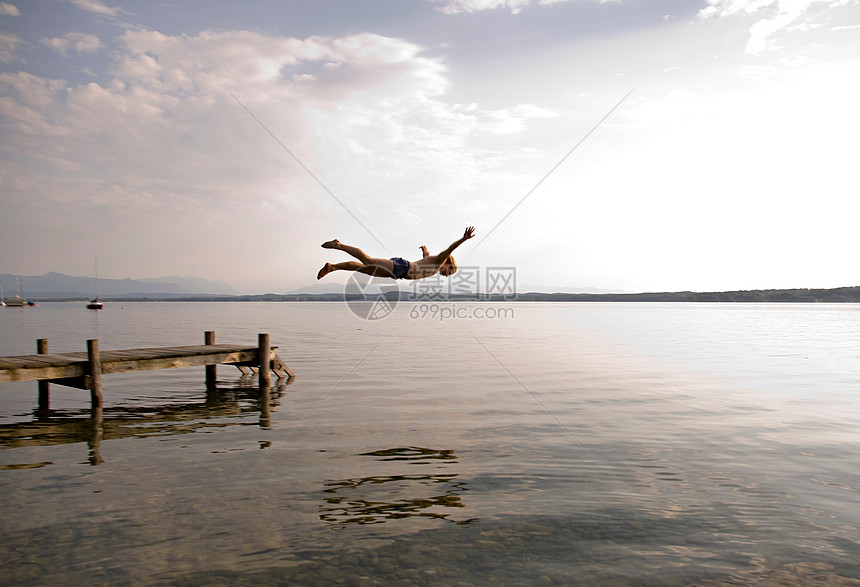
x: 397, y: 267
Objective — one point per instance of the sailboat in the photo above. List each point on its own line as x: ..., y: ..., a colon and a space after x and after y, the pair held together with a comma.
x: 94, y: 303
x: 17, y: 301
x: 2, y: 296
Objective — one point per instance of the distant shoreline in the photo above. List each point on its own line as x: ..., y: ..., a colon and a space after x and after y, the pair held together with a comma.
x: 799, y: 295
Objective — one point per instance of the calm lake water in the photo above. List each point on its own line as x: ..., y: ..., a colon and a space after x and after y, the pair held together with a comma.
x: 548, y: 444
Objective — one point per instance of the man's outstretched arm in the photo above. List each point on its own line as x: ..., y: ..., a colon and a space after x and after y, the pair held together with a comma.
x: 470, y: 232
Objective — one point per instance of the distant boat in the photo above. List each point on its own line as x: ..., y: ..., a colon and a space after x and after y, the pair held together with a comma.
x: 2, y: 296
x: 17, y: 301
x: 95, y: 304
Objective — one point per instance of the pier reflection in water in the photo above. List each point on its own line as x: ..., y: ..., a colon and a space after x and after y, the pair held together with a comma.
x: 224, y: 404
x: 378, y: 499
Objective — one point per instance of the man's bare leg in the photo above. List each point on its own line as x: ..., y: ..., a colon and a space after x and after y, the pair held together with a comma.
x: 350, y: 250
x: 380, y: 268
x: 345, y: 266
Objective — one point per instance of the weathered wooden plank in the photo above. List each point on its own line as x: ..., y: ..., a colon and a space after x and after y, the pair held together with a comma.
x: 145, y: 354
x: 34, y: 373
x: 31, y: 371
x: 132, y: 354
x: 188, y: 349
x: 172, y: 352
x: 171, y: 362
x: 63, y: 358
x: 24, y: 361
x: 73, y: 366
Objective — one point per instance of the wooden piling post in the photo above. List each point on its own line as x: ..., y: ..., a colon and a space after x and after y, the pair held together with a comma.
x: 265, y: 408
x: 211, y: 370
x: 44, y: 386
x: 94, y: 368
x: 264, y: 357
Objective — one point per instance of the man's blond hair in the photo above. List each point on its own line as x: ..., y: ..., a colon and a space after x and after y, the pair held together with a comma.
x: 453, y: 263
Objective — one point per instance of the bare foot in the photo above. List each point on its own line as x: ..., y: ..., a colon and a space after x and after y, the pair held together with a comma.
x: 327, y: 268
x: 331, y: 244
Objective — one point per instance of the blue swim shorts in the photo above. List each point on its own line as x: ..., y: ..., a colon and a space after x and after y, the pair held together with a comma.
x: 401, y: 267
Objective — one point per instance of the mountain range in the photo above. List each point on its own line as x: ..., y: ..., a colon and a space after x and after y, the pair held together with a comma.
x: 336, y: 288
x: 57, y: 285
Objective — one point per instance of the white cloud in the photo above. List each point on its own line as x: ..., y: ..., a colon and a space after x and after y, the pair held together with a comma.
x: 773, y: 16
x: 515, y: 6
x: 7, y: 9
x: 158, y: 149
x: 96, y: 6
x: 470, y: 6
x: 317, y: 67
x: 80, y: 42
x: 723, y: 8
x: 9, y: 43
x: 512, y: 120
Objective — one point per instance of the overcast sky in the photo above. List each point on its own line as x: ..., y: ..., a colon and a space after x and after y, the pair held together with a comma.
x: 731, y: 165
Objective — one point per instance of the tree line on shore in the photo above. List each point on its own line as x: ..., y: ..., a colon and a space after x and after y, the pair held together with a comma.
x: 799, y: 295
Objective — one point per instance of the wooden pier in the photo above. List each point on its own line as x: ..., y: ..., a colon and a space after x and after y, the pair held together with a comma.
x: 84, y: 370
